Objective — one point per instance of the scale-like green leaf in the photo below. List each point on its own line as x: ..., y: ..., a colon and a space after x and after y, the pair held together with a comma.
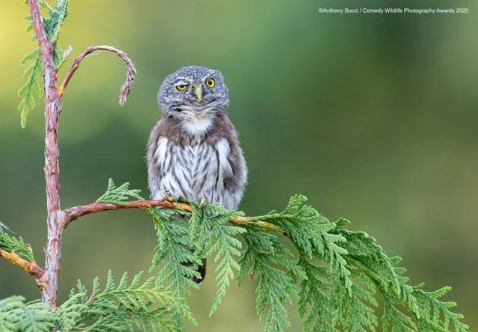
x: 33, y: 73
x: 17, y: 244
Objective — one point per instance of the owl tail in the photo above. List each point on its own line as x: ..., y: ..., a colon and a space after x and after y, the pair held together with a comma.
x: 201, y: 269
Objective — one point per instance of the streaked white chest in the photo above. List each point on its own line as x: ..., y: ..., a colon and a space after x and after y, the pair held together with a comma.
x: 193, y: 171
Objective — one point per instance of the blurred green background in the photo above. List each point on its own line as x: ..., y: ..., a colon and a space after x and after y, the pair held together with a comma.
x: 374, y: 118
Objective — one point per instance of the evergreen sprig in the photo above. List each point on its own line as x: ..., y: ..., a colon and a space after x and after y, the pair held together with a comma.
x: 126, y: 305
x: 262, y: 261
x: 221, y: 241
x: 173, y: 251
x: 53, y: 24
x: 335, y: 273
x: 338, y: 276
x: 118, y: 307
x: 17, y: 244
x: 16, y: 315
x: 119, y: 195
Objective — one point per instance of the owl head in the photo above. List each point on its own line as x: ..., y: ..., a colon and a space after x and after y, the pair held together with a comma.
x: 193, y: 92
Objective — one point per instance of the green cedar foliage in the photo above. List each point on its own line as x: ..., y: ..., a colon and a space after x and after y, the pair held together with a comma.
x: 219, y: 239
x: 10, y: 243
x: 118, y: 307
x: 126, y: 305
x: 119, y: 195
x: 335, y: 274
x: 33, y: 73
x: 339, y: 277
x: 16, y: 315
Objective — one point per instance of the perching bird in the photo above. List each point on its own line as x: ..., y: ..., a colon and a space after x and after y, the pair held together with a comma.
x: 193, y: 151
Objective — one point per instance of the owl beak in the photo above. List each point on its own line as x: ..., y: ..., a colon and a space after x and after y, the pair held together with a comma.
x: 197, y: 90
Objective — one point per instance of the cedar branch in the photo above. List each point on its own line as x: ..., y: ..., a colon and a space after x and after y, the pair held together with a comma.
x: 31, y: 267
x: 57, y: 219
x: 76, y: 212
x: 52, y: 152
x: 130, y: 70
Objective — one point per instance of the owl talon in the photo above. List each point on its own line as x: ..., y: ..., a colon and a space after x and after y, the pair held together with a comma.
x: 167, y: 197
x: 203, y: 203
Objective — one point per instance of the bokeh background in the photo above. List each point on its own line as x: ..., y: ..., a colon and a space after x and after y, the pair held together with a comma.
x: 374, y: 118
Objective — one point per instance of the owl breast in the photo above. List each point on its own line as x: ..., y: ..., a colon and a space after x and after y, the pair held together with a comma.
x: 194, y: 171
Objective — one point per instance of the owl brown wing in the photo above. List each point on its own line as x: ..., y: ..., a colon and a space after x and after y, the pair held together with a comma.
x: 154, y: 169
x: 235, y: 182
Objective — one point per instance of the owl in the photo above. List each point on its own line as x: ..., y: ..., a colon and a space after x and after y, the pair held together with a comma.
x: 193, y: 151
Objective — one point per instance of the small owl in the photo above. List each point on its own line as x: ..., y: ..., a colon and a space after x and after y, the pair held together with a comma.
x: 193, y: 151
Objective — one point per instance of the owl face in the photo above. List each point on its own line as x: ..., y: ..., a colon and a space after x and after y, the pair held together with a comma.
x: 193, y: 93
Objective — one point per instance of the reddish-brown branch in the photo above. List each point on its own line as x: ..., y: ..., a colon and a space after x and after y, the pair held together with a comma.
x: 130, y: 70
x: 76, y: 212
x: 31, y: 267
x: 56, y: 218
x: 52, y: 170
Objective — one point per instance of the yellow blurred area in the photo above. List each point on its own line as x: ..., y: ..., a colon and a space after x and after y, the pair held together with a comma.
x: 374, y: 118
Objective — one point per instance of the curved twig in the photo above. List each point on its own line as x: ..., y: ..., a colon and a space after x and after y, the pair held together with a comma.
x: 130, y: 74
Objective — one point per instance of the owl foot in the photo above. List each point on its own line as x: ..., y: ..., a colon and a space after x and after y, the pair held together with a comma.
x: 167, y: 197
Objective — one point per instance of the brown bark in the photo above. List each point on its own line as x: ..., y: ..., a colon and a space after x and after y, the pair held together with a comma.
x: 76, y: 212
x: 31, y: 267
x: 130, y: 70
x: 56, y: 218
x: 52, y: 171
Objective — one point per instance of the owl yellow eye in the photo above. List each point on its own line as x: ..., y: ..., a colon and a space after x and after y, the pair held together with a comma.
x: 210, y: 82
x: 181, y: 87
